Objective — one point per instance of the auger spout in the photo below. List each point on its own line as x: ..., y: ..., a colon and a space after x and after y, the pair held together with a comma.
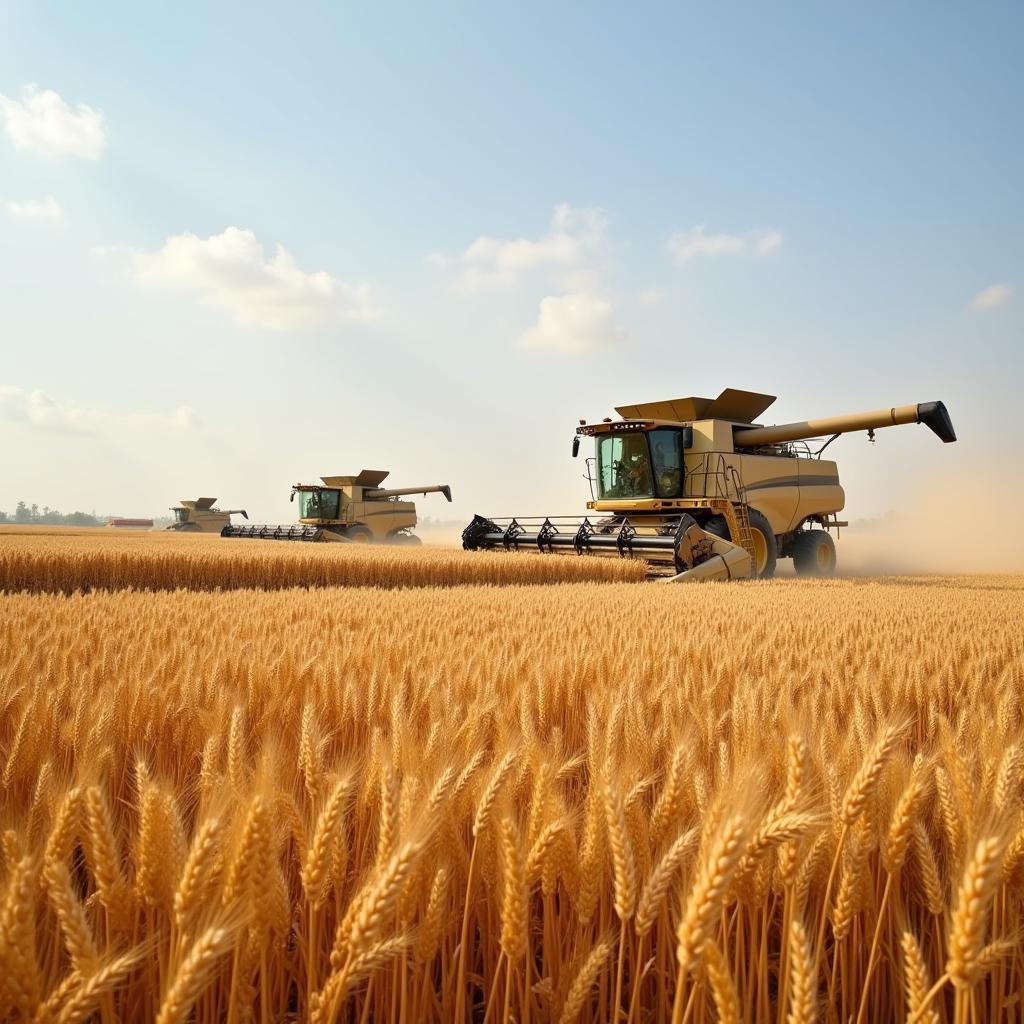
x: 932, y: 414
x: 374, y: 493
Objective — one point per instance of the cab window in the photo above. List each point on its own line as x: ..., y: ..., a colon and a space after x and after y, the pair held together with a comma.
x: 319, y: 504
x: 667, y: 457
x: 623, y: 467
x: 181, y: 515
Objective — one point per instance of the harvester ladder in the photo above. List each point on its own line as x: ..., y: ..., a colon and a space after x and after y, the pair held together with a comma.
x: 739, y: 520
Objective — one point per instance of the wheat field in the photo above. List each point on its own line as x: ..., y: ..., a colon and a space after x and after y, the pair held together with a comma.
x: 65, y: 562
x: 782, y: 801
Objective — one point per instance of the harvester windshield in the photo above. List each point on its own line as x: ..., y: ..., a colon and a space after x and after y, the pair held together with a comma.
x: 180, y: 514
x: 640, y: 464
x: 319, y: 503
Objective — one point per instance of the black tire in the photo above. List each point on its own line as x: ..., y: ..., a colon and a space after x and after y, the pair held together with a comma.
x: 720, y: 528
x: 409, y: 540
x: 814, y: 553
x: 359, y: 534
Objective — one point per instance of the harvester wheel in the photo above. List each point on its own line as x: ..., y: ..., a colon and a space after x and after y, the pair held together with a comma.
x: 766, y: 550
x: 814, y: 553
x: 359, y: 534
x: 405, y: 539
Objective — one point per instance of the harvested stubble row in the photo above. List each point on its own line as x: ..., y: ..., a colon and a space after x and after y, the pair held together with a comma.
x: 791, y: 802
x: 64, y: 564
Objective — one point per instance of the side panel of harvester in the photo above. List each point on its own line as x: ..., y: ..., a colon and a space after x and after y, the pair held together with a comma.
x: 820, y: 490
x: 783, y: 489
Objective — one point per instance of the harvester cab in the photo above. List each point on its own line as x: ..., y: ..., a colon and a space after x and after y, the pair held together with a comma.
x: 701, y: 491
x: 200, y: 516
x: 355, y: 509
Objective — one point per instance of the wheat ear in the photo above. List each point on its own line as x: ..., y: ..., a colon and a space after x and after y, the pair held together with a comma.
x: 318, y: 859
x: 485, y: 806
x: 361, y: 927
x: 915, y: 980
x: 199, y: 869
x: 513, y: 907
x: 863, y: 783
x: 623, y: 863
x: 801, y: 976
x: 77, y: 934
x: 967, y: 932
x: 583, y: 983
x: 723, y: 989
x: 102, y: 847
x: 82, y: 1001
x: 653, y: 893
x: 194, y: 973
x: 708, y: 892
x: 19, y: 970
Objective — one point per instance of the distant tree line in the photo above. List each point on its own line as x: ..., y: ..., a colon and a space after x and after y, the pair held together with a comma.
x: 46, y: 516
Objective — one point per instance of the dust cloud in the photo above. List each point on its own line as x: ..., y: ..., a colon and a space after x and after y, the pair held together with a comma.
x: 440, y: 533
x: 942, y: 529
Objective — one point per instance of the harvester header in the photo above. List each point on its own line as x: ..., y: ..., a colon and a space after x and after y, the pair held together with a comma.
x: 696, y: 486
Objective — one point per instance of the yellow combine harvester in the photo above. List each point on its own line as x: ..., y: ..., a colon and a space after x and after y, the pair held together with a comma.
x: 699, y: 490
x: 200, y: 516
x: 355, y: 509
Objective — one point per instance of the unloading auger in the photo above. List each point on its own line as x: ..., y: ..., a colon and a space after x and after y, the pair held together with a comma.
x: 700, y: 491
x: 353, y: 509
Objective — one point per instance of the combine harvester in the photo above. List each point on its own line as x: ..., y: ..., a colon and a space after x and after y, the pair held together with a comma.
x: 200, y: 516
x: 353, y: 509
x: 700, y: 491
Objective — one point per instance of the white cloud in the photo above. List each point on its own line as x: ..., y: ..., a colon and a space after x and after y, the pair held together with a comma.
x: 38, y: 410
x: 186, y: 418
x: 232, y: 272
x: 766, y: 241
x: 41, y: 121
x: 994, y: 295
x: 34, y: 209
x: 493, y: 262
x: 685, y: 245
x: 576, y: 322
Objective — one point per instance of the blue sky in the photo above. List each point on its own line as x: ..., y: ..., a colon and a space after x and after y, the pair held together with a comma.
x: 495, y: 221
